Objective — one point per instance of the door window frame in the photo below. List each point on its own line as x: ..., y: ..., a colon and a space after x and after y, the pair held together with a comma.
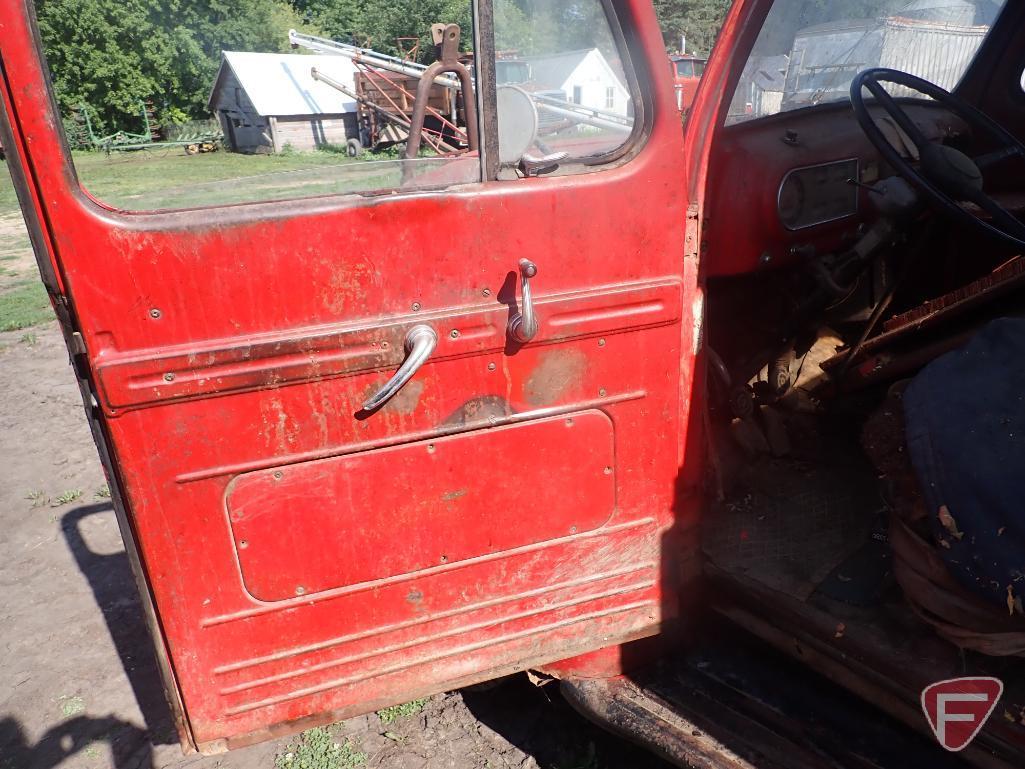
x: 632, y: 56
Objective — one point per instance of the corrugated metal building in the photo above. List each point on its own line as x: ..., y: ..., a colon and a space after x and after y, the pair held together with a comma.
x: 268, y: 101
x: 826, y: 57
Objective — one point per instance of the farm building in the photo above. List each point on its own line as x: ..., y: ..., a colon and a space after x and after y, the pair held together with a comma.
x: 760, y: 90
x: 585, y: 77
x: 267, y: 101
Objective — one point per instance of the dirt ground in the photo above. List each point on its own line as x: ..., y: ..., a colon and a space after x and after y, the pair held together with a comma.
x: 78, y: 680
x: 16, y: 258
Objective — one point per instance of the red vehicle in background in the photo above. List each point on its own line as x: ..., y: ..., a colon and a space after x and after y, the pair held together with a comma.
x: 687, y: 71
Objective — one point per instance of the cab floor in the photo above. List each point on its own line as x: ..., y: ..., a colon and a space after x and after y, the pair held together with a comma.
x: 734, y: 686
x: 799, y: 544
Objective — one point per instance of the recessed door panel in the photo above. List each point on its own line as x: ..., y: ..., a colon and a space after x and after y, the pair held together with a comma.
x: 337, y: 522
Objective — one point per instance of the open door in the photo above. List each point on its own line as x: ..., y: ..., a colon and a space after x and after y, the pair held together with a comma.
x: 313, y: 547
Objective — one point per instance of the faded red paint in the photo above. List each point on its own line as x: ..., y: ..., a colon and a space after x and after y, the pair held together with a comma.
x: 686, y: 72
x: 270, y: 363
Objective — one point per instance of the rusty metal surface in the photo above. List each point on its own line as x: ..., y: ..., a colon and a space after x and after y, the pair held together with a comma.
x: 775, y: 713
x: 930, y: 315
x: 885, y: 664
x: 621, y: 706
x: 731, y: 701
x: 788, y: 523
x: 238, y: 339
x: 448, y: 62
x: 214, y: 367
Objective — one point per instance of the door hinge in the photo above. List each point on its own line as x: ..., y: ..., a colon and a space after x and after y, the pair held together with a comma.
x: 79, y: 356
x: 77, y: 344
x: 691, y: 247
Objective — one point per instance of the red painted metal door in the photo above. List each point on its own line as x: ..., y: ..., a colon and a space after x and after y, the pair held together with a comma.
x: 511, y: 506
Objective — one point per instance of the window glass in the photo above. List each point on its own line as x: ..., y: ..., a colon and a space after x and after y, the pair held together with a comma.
x: 808, y: 51
x: 191, y: 103
x: 575, y: 98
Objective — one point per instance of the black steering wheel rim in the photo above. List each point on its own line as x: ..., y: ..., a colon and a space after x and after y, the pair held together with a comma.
x: 1011, y: 231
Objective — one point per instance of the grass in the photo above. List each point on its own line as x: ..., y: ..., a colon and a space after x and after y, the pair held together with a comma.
x: 8, y: 198
x: 103, y: 492
x: 38, y: 498
x: 317, y: 749
x: 170, y: 179
x: 71, y: 706
x: 401, y: 711
x: 23, y: 306
x: 66, y: 498
x: 12, y: 246
x: 156, y: 179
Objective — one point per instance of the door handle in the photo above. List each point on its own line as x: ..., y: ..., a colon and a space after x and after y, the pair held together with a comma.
x: 523, y: 325
x: 420, y: 343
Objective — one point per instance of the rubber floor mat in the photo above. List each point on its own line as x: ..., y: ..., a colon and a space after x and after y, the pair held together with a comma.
x: 789, y: 524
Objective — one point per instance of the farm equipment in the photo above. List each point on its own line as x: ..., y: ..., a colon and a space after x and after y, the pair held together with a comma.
x: 119, y: 139
x: 194, y: 139
x: 389, y: 89
x: 385, y: 89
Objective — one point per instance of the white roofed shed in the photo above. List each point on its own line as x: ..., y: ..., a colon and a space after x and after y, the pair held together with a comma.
x: 267, y: 101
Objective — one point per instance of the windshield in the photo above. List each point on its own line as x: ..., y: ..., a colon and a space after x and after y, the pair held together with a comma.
x: 690, y: 68
x: 809, y: 51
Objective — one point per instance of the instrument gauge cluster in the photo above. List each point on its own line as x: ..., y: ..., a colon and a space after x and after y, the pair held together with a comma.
x: 818, y: 194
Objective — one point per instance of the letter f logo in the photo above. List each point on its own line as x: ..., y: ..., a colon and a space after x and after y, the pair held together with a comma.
x: 958, y: 708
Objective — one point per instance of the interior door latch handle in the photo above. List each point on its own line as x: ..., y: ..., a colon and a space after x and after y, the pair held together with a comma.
x: 420, y: 343
x: 523, y: 325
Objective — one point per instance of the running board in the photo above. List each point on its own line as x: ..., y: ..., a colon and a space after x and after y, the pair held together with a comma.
x: 737, y: 703
x: 623, y: 708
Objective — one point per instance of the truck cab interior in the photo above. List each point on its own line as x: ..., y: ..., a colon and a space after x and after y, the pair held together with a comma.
x: 864, y: 286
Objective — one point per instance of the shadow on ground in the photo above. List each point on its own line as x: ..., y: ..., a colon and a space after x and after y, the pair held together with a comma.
x: 110, y: 578
x: 509, y: 723
x: 129, y: 746
x: 113, y: 585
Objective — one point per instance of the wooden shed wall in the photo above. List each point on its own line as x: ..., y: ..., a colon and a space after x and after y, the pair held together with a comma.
x: 308, y: 132
x: 244, y: 129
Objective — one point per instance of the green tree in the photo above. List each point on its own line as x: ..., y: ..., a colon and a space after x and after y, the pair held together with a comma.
x: 378, y: 24
x: 114, y: 54
x: 697, y: 20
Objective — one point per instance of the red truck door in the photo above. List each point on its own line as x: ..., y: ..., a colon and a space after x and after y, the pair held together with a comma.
x: 312, y: 548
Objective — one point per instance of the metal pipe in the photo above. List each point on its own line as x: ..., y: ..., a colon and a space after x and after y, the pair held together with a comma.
x: 449, y: 62
x: 315, y: 43
x: 585, y: 118
x: 601, y: 114
x: 367, y: 57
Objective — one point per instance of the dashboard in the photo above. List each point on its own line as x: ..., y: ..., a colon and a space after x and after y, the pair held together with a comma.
x: 779, y: 187
x: 818, y: 194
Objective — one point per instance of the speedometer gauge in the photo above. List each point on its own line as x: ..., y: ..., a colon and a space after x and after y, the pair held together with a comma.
x: 791, y: 201
x: 818, y: 194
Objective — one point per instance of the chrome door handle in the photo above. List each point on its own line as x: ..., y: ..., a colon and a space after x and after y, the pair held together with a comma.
x: 420, y: 343
x: 523, y: 325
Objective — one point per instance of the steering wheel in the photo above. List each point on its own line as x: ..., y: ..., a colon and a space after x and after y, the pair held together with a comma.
x: 944, y: 174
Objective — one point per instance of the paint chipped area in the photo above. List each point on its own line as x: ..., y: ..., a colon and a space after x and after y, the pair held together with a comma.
x: 559, y: 373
